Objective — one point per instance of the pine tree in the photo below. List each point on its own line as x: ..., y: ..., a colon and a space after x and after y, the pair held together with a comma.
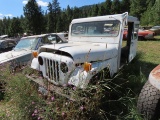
x: 116, y: 7
x: 137, y: 8
x: 101, y: 10
x: 15, y: 27
x: 156, y: 12
x: 54, y: 12
x: 95, y: 10
x: 60, y: 24
x: 6, y: 22
x: 108, y: 5
x: 64, y: 22
x: 22, y: 24
x: 147, y: 17
x: 125, y: 6
x: 67, y: 16
x: 34, y: 17
x: 1, y: 27
x: 50, y: 22
x: 76, y: 13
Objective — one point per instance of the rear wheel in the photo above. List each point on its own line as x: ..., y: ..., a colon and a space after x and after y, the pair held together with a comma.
x: 149, y: 102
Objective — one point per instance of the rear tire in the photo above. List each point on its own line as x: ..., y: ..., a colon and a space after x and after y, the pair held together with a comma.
x: 149, y: 102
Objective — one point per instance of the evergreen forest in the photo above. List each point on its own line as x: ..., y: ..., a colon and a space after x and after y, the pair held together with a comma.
x: 55, y: 19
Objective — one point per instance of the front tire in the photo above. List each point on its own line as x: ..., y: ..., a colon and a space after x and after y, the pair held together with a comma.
x: 141, y: 38
x: 149, y: 102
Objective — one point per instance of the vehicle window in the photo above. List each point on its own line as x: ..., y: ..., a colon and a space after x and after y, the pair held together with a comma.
x: 58, y: 39
x: 136, y: 27
x: 97, y: 28
x: 11, y: 44
x: 51, y: 39
x: 27, y: 43
x: 46, y: 40
x: 66, y: 35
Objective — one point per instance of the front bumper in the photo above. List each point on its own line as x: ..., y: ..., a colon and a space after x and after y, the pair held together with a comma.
x: 49, y: 87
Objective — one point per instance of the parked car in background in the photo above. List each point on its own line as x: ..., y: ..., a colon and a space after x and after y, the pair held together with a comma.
x: 149, y: 98
x: 3, y: 37
x: 142, y: 34
x: 145, y: 27
x: 22, y: 53
x: 155, y: 29
x: 145, y: 34
x: 8, y: 44
x: 125, y: 33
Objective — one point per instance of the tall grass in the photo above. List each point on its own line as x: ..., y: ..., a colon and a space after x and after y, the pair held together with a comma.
x: 107, y: 99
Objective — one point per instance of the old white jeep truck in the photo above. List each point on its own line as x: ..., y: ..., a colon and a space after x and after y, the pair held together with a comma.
x: 149, y: 98
x: 94, y: 44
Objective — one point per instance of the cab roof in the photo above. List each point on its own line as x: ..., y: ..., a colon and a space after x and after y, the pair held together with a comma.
x: 106, y: 17
x: 33, y: 36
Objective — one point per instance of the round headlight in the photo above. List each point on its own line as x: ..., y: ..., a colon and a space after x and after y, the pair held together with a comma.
x: 40, y: 60
x: 64, y: 67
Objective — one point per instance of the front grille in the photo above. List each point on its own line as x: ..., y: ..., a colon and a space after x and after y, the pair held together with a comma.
x: 52, y: 69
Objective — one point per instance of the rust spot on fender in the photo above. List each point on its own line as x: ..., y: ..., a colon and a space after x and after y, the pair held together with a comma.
x: 156, y: 72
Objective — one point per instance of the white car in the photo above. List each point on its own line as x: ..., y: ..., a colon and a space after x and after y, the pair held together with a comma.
x: 22, y: 52
x: 155, y: 29
x: 2, y: 37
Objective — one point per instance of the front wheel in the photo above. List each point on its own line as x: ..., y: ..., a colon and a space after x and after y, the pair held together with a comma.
x: 141, y: 38
x: 149, y: 102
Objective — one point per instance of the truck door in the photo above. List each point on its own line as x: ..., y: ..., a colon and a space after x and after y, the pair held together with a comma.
x: 133, y: 38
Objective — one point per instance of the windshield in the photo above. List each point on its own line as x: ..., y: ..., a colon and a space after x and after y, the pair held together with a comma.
x: 27, y: 43
x: 97, y: 28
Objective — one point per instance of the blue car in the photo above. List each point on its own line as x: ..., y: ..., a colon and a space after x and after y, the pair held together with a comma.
x: 21, y: 54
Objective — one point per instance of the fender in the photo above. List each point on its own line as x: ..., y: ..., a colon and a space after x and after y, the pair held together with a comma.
x: 154, y: 77
x: 81, y: 78
x: 35, y: 64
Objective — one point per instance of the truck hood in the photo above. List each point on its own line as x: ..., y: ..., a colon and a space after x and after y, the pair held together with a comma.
x: 11, y: 55
x: 82, y: 52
